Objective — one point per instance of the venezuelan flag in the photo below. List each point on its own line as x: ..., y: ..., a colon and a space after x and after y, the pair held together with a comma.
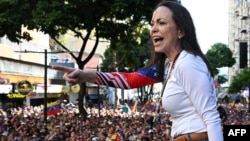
x: 53, y: 107
x: 216, y: 83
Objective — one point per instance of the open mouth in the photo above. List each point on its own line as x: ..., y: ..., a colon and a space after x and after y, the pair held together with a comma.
x: 157, y: 39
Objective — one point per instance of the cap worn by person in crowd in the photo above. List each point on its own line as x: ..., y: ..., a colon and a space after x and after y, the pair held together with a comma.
x: 34, y: 136
x: 150, y: 131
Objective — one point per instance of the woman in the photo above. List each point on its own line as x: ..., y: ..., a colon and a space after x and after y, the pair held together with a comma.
x: 188, y: 93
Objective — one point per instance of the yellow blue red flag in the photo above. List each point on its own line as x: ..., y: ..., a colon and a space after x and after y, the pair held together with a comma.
x: 53, y: 107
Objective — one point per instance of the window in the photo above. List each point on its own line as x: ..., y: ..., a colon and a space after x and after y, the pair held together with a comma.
x: 54, y: 59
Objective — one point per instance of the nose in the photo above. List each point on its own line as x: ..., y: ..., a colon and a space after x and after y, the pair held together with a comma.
x: 154, y: 28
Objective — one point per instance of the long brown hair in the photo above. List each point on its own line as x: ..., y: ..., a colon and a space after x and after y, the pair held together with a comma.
x: 189, y: 42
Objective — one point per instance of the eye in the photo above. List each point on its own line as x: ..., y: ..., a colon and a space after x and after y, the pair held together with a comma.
x: 162, y: 23
x: 151, y: 24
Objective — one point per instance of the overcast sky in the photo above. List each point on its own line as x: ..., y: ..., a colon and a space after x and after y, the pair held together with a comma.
x: 211, y: 21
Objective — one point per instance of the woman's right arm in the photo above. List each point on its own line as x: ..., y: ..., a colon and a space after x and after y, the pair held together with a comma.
x: 77, y: 76
x: 124, y: 80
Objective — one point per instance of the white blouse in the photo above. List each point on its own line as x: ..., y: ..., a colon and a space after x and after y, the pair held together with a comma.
x: 190, y: 98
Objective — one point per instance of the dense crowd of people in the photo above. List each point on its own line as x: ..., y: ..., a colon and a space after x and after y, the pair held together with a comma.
x: 145, y: 123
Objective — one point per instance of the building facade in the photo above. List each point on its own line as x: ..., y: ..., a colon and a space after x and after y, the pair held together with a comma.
x: 26, y: 61
x: 23, y: 62
x: 239, y: 35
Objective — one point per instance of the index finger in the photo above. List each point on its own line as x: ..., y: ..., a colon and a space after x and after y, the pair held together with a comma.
x: 62, y: 68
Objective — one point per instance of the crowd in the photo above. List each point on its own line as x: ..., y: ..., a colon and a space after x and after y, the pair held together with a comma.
x: 237, y: 113
x: 105, y: 124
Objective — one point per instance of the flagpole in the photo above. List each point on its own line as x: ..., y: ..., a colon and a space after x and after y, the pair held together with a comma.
x: 45, y: 87
x: 99, y: 97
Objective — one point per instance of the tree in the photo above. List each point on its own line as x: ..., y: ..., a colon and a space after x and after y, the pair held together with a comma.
x: 109, y: 19
x: 128, y: 60
x: 220, y: 56
x: 240, y: 81
x: 131, y: 59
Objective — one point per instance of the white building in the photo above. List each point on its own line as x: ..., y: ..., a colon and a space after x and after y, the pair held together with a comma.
x: 239, y: 35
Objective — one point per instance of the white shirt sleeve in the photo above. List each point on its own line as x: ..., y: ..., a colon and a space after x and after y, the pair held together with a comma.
x: 198, y: 85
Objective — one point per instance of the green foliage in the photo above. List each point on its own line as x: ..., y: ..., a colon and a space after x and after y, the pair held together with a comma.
x: 124, y: 58
x: 222, y: 79
x: 220, y: 56
x: 113, y: 18
x: 14, y: 14
x: 239, y: 81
